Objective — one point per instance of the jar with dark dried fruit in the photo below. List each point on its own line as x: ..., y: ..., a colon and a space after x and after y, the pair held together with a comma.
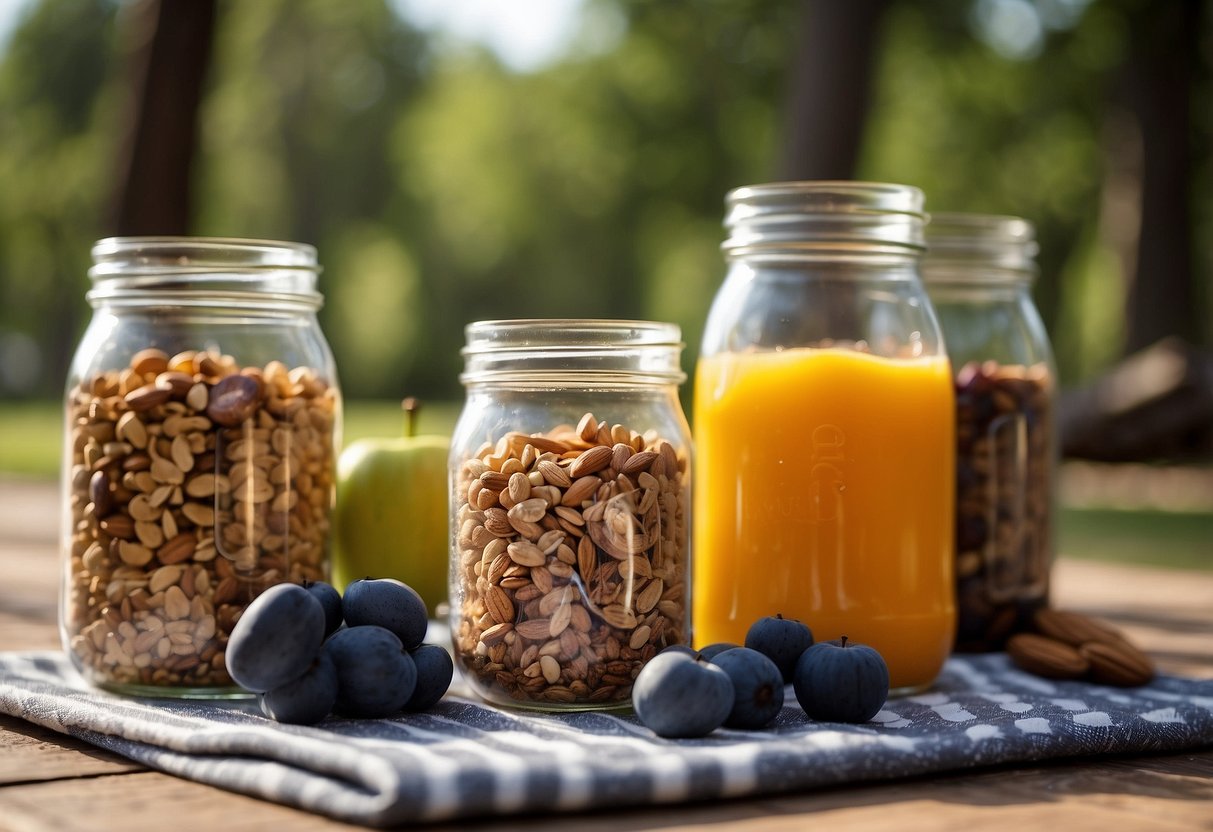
x: 979, y: 271
x: 201, y: 414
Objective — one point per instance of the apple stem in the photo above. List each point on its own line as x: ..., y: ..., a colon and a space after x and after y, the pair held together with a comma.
x: 410, y: 406
x: 844, y: 641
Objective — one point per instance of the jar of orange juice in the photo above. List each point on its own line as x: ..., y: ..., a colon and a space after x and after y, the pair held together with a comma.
x: 824, y: 428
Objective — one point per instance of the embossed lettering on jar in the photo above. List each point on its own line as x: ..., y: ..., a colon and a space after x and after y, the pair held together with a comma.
x: 202, y: 414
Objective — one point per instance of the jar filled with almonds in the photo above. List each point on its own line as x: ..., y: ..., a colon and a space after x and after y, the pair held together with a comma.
x: 202, y: 416
x: 979, y: 271
x: 569, y: 510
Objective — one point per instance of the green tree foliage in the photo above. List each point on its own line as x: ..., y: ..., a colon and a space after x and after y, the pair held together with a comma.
x: 985, y: 133
x: 442, y: 188
x: 57, y: 137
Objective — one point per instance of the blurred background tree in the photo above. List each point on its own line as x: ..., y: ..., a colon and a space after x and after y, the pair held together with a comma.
x: 444, y: 182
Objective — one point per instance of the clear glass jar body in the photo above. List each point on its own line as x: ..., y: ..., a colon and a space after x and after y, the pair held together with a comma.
x: 202, y: 420
x: 570, y: 476
x: 979, y: 271
x: 824, y: 430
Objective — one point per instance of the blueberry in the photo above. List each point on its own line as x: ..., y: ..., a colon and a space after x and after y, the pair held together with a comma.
x: 837, y: 681
x: 305, y: 700
x: 757, y: 685
x: 679, y: 648
x: 387, y: 603
x: 781, y: 640
x: 713, y: 650
x: 330, y: 599
x: 276, y: 639
x: 434, y: 672
x: 375, y: 675
x: 679, y: 695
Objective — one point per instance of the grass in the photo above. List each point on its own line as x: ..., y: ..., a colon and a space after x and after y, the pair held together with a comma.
x: 30, y: 437
x: 1179, y: 540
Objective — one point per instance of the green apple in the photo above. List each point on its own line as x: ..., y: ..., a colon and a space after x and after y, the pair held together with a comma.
x: 391, y: 514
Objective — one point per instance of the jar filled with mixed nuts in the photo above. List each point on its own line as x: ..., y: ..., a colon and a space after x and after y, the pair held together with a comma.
x: 569, y: 510
x: 202, y: 417
x: 979, y: 271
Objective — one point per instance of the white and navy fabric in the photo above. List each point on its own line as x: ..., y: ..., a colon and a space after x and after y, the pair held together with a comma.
x: 465, y: 758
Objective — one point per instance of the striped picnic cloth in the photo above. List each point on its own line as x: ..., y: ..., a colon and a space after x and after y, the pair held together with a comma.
x: 465, y: 758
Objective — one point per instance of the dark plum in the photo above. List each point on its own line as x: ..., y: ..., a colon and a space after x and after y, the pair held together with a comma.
x: 757, y: 687
x: 713, y: 650
x: 680, y: 695
x: 375, y: 675
x: 782, y: 640
x: 276, y: 639
x: 330, y: 600
x: 434, y: 673
x: 837, y: 681
x: 387, y: 603
x: 680, y: 648
x: 306, y: 700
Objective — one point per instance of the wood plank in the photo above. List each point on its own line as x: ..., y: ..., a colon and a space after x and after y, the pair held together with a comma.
x: 1168, y: 613
x: 1162, y: 793
x: 50, y: 781
x: 145, y: 800
x: 30, y: 753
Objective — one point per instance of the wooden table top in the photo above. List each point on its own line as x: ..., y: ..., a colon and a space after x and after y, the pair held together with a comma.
x: 50, y: 781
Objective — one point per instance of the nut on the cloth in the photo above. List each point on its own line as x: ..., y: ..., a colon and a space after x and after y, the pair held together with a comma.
x: 1068, y: 645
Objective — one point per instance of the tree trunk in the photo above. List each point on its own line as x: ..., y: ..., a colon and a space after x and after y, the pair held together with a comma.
x: 1158, y: 84
x: 830, y: 88
x: 168, y: 67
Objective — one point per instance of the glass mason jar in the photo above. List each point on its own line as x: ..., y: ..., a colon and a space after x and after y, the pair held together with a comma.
x: 979, y: 270
x: 824, y: 433
x: 570, y: 472
x: 202, y: 418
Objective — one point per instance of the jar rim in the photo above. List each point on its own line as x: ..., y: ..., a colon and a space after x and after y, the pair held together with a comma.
x: 531, y: 333
x: 188, y: 253
x: 835, y: 195
x: 850, y: 217
x: 971, y: 247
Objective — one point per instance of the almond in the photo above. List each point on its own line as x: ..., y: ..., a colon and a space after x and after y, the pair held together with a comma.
x: 536, y: 629
x: 500, y: 607
x: 1046, y: 657
x: 1119, y: 664
x: 591, y: 461
x: 1074, y: 629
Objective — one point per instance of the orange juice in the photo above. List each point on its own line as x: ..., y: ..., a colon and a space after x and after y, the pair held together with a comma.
x: 823, y: 492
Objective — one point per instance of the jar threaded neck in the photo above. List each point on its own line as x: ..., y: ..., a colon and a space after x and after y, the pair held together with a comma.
x: 572, y: 351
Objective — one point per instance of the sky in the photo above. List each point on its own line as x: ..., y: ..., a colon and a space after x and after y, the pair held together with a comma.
x: 10, y: 16
x: 526, y: 35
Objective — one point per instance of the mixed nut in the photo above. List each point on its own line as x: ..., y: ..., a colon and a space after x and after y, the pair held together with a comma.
x: 572, y: 561
x: 1003, y: 500
x: 194, y: 484
x: 1066, y: 645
